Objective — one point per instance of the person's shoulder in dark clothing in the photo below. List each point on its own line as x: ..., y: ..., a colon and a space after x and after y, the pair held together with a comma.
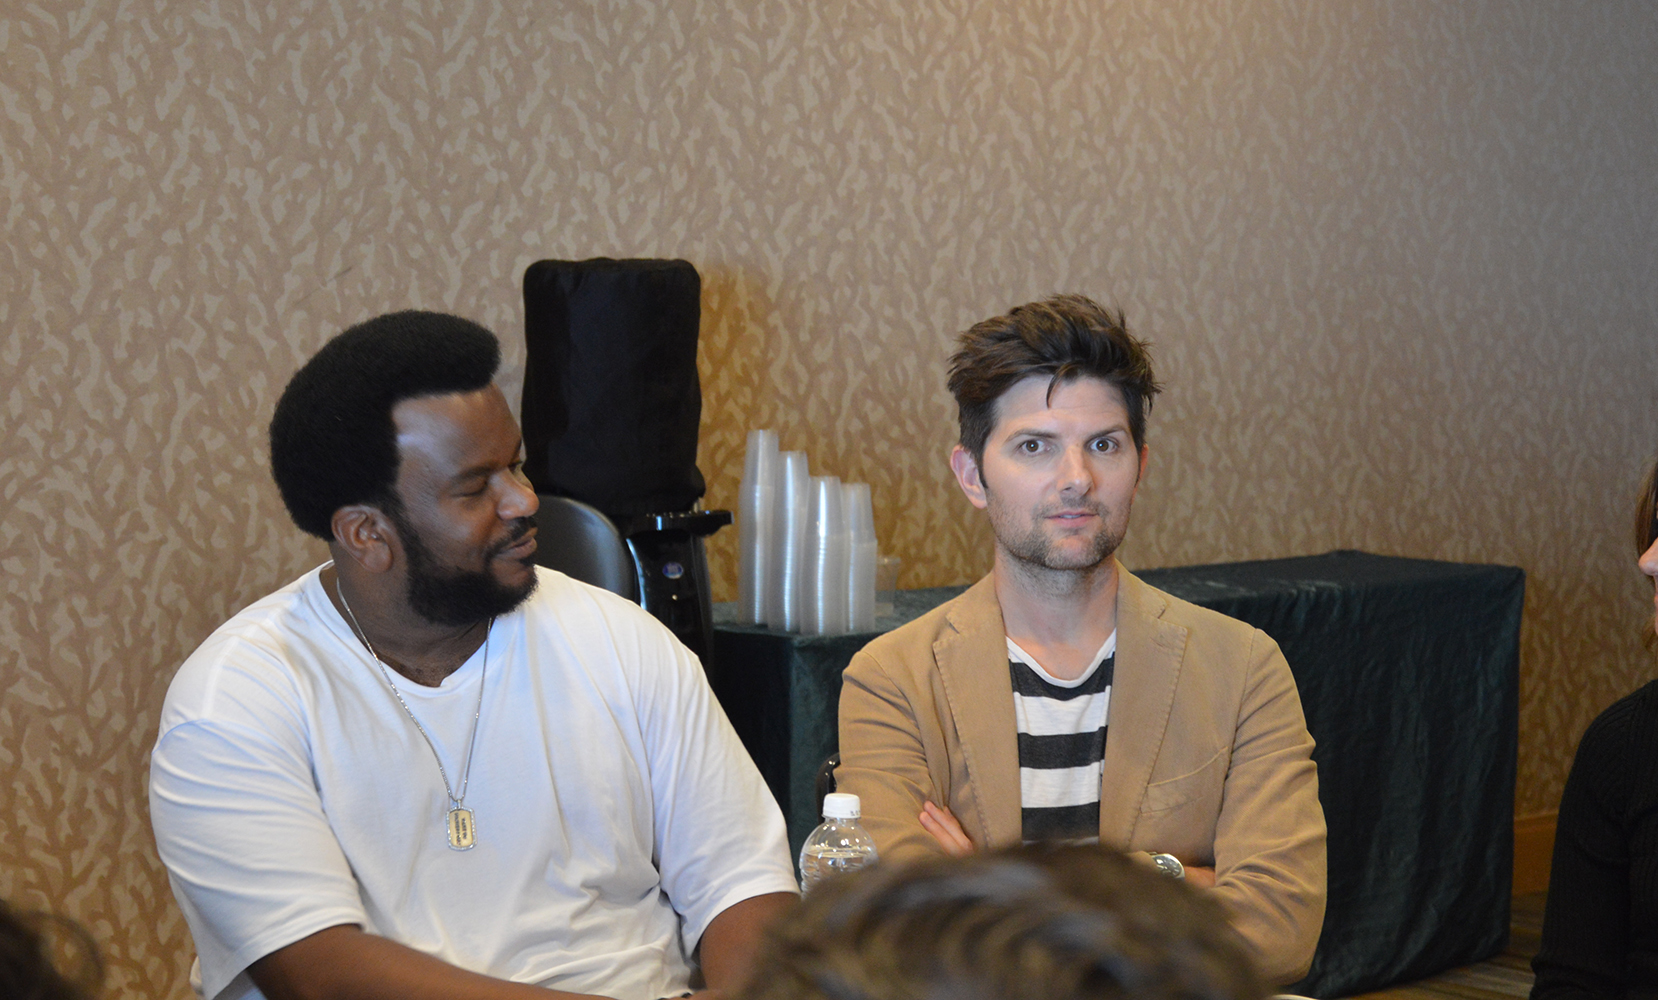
x: 1600, y: 924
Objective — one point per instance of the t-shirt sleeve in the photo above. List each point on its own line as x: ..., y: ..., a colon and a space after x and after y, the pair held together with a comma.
x: 241, y: 829
x: 720, y: 837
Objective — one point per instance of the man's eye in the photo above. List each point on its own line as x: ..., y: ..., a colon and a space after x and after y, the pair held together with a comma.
x: 1030, y: 447
x: 1105, y: 444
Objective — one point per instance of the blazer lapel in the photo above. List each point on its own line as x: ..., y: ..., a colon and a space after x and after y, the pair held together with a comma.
x: 973, y: 665
x: 1145, y: 673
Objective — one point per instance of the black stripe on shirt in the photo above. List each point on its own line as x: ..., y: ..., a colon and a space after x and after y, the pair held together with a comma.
x: 1064, y: 750
x: 1061, y: 822
x: 1030, y: 684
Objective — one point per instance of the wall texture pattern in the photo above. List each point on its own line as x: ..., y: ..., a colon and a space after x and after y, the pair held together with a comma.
x: 1397, y: 261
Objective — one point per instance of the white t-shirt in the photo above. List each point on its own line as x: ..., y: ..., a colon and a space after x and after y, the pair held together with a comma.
x: 616, y: 811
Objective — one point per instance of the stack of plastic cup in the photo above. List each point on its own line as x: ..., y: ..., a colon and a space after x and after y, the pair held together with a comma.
x: 860, y: 549
x: 793, y: 517
x: 823, y: 595
x: 757, y: 528
x: 806, y: 545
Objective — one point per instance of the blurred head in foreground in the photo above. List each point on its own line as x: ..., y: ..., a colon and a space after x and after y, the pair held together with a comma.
x: 1045, y: 923
x: 43, y: 957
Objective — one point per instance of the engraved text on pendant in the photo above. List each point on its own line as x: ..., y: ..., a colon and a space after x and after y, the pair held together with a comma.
x: 462, y: 831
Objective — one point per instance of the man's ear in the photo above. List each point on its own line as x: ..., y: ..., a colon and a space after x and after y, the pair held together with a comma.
x: 1145, y: 455
x: 967, y: 475
x: 366, y: 535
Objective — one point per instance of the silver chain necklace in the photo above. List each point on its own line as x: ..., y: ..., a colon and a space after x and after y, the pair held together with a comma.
x: 463, y: 829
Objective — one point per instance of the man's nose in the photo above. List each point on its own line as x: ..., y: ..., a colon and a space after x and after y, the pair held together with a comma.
x: 518, y: 499
x: 1075, y: 475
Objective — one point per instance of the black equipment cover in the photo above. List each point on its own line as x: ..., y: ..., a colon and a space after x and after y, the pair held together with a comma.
x: 611, y: 401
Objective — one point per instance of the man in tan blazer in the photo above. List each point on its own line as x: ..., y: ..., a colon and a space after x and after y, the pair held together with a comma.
x: 1063, y: 698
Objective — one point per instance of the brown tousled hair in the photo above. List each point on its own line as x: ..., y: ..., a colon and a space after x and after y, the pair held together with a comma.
x: 1064, y: 337
x: 1037, y: 922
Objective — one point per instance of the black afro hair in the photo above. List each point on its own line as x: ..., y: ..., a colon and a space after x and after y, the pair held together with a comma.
x: 333, y: 442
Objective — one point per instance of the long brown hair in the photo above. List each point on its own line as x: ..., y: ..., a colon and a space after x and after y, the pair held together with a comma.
x: 1646, y: 512
x: 1646, y: 532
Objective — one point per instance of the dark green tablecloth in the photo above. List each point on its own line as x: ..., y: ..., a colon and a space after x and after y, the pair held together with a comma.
x: 1408, y: 672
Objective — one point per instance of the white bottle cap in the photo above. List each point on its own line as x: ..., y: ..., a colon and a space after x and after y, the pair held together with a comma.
x: 841, y: 805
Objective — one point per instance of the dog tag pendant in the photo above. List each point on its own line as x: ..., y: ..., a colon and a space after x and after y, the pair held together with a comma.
x: 462, y: 831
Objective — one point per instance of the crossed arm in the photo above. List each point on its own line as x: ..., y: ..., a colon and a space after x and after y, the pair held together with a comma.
x: 946, y: 829
x: 346, y: 963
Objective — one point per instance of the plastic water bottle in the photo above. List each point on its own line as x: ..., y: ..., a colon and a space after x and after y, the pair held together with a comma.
x: 838, y: 845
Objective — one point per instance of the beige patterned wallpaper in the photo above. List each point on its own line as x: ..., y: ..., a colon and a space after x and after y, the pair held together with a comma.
x: 1397, y: 260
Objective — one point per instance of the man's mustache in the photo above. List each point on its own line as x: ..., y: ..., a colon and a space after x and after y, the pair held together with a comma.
x: 520, y: 527
x: 1090, y: 506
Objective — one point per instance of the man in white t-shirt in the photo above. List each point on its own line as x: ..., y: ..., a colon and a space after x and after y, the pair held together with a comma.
x: 1061, y: 698
x: 429, y: 768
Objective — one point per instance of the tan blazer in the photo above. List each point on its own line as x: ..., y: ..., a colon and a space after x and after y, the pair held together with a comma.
x: 1207, y: 755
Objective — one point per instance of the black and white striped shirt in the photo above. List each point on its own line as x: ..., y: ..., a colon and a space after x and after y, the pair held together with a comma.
x: 1061, y: 727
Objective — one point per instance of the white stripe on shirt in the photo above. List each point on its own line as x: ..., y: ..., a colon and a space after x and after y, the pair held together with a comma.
x: 1064, y: 786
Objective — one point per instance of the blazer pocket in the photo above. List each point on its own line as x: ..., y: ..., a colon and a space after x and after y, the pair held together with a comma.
x: 1203, y: 783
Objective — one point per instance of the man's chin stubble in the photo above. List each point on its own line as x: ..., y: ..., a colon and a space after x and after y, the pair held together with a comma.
x: 1036, y: 555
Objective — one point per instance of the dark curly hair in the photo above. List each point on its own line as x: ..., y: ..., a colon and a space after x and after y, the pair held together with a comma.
x: 1063, y: 337
x: 28, y: 971
x: 333, y: 442
x: 1028, y: 923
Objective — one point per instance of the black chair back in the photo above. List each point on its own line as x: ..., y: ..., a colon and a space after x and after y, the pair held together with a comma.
x: 580, y: 542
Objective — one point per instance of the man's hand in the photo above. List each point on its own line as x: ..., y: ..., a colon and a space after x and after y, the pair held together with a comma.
x: 946, y: 829
x: 729, y: 944
x: 1204, y: 877
x: 344, y: 963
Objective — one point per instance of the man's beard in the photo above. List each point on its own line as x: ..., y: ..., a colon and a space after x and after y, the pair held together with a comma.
x: 457, y: 597
x: 1030, y: 545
